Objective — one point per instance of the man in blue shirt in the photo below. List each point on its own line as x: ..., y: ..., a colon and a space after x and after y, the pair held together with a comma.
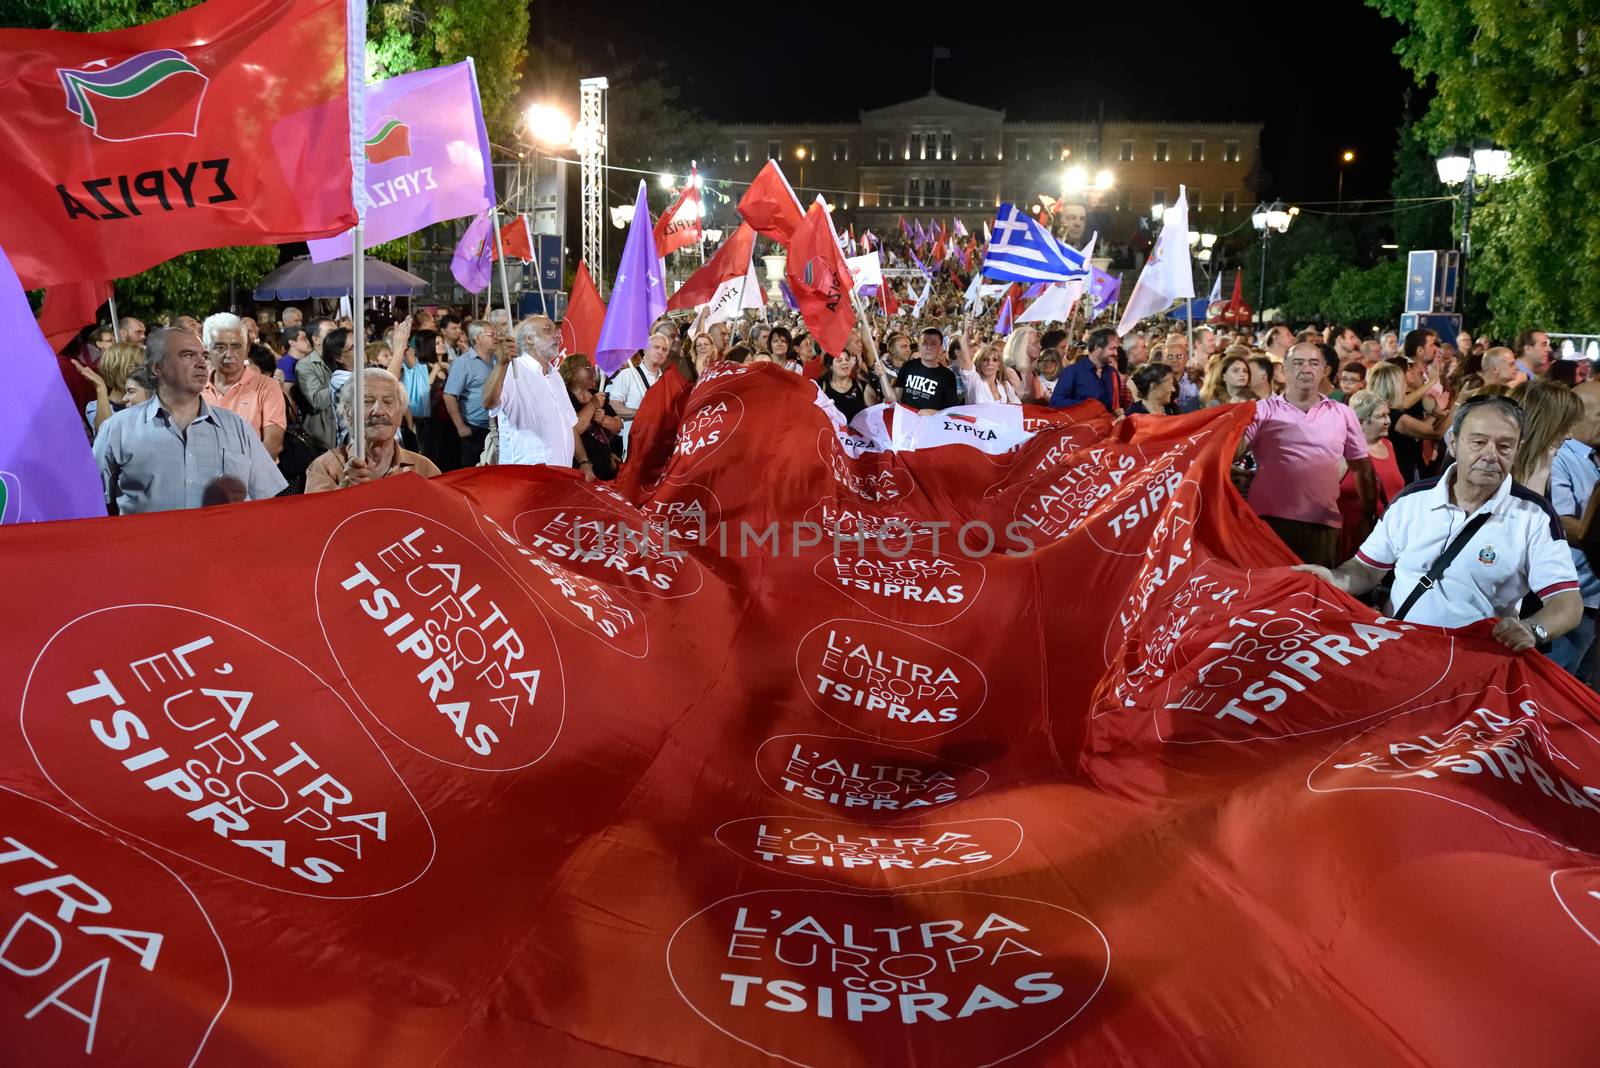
x: 1574, y: 473
x: 463, y: 391
x: 1094, y: 377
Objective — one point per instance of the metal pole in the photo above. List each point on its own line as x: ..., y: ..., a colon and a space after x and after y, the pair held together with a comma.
x: 1467, y: 193
x: 116, y: 324
x: 1261, y: 296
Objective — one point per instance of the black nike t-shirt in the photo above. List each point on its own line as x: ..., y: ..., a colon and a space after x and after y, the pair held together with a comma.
x: 922, y: 386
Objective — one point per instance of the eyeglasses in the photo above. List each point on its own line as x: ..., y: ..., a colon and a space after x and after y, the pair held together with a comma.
x: 227, y: 346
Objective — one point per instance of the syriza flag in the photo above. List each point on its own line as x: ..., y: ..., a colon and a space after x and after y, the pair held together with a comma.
x: 226, y: 124
x: 820, y: 279
x: 427, y: 156
x: 731, y: 263
x: 682, y: 224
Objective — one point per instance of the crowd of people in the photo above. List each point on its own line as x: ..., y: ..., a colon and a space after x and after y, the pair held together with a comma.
x: 1369, y: 457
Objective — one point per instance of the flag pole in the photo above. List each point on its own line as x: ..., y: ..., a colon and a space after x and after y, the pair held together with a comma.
x: 116, y: 324
x: 356, y: 85
x: 505, y: 288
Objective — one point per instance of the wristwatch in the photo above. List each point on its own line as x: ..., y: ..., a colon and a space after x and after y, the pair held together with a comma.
x: 1540, y: 635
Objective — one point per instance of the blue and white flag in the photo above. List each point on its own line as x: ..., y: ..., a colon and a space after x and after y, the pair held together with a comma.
x: 1022, y: 250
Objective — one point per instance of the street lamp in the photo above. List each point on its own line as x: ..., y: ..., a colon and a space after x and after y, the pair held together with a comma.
x: 1460, y: 166
x: 1075, y: 180
x: 1269, y: 219
x: 800, y: 154
x: 1346, y: 158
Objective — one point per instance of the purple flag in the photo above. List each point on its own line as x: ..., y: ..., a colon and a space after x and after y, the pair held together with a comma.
x: 1003, y: 326
x: 638, y: 297
x: 959, y: 229
x: 920, y: 265
x: 474, y: 256
x: 1034, y: 291
x: 427, y: 156
x: 1103, y: 288
x: 788, y: 295
x: 47, y: 470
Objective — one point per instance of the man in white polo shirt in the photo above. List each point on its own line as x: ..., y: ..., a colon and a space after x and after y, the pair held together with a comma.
x: 1513, y: 543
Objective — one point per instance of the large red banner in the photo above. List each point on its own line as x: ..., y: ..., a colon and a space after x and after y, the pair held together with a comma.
x: 473, y: 772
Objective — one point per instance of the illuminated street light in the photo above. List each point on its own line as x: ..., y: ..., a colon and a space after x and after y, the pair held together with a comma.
x: 665, y: 181
x: 1103, y: 180
x: 548, y: 125
x: 1075, y: 179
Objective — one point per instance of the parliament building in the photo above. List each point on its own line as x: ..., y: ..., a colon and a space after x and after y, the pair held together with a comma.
x: 934, y: 156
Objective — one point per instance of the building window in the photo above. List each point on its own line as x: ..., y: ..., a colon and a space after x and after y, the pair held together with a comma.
x: 1230, y: 152
x: 1161, y: 152
x: 741, y: 152
x: 949, y: 147
x: 1195, y: 200
x: 1056, y: 151
x: 808, y: 150
x: 979, y: 150
x: 774, y: 150
x: 883, y: 149
x: 1024, y: 150
x: 1230, y: 200
x: 1125, y: 153
x: 1158, y: 196
x: 1091, y: 149
x: 841, y: 151
x: 1122, y: 200
x: 1197, y: 151
x: 885, y: 198
x: 945, y: 195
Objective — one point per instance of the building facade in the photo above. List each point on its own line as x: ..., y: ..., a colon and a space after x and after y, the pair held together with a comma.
x: 937, y: 156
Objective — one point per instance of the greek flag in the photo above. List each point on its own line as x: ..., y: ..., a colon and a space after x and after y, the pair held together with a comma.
x: 1022, y: 250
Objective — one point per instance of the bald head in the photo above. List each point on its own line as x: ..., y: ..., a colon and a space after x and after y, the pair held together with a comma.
x: 1499, y: 367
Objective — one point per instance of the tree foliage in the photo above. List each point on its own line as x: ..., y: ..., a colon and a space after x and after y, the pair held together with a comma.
x: 195, y: 282
x: 409, y: 35
x: 1363, y: 296
x: 1526, y: 76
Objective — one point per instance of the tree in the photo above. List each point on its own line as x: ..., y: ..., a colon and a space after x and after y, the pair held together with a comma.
x: 1526, y: 76
x: 1307, y: 293
x: 195, y: 282
x: 1362, y: 295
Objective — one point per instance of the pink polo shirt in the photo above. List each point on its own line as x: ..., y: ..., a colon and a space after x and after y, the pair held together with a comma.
x: 1298, y: 456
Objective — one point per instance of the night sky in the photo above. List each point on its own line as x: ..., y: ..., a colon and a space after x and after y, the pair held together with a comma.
x: 1319, y: 88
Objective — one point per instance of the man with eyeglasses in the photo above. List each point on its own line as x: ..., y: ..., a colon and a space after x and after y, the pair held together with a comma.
x: 238, y: 386
x: 175, y: 450
x: 1511, y: 542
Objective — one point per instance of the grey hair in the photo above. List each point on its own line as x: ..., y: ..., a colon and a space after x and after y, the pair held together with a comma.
x: 155, y: 345
x: 475, y: 330
x: 1485, y: 402
x: 219, y: 321
x: 1364, y: 402
x: 347, y: 392
x: 526, y: 335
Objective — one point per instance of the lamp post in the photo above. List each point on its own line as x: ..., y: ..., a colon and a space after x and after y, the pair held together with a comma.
x: 800, y: 154
x: 1269, y: 219
x: 1345, y: 158
x: 1459, y: 166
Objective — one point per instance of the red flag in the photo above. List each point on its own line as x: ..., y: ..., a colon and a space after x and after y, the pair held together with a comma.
x: 129, y: 147
x: 886, y: 297
x: 580, y: 327
x: 731, y: 260
x: 820, y: 279
x: 68, y: 308
x: 682, y: 224
x: 516, y: 238
x: 770, y: 206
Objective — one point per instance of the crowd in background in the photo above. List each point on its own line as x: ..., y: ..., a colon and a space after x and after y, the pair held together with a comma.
x: 445, y: 390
